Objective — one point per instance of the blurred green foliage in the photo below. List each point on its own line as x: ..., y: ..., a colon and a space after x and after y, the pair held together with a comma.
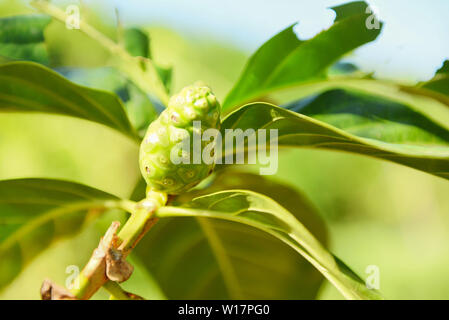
x: 377, y: 213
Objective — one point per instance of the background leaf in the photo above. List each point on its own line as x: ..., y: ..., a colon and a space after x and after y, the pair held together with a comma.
x: 22, y: 38
x: 288, y: 69
x: 372, y: 117
x: 213, y: 259
x: 262, y: 213
x: 439, y: 83
x: 36, y: 212
x: 140, y: 70
x: 137, y: 43
x: 25, y: 86
x: 139, y: 108
x: 285, y: 60
x: 294, y: 201
x: 404, y: 138
x: 429, y: 104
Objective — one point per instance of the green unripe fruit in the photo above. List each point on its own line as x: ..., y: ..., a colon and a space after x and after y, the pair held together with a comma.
x: 175, y: 126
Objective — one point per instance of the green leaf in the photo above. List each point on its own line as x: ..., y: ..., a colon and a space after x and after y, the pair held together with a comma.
x: 165, y: 74
x: 36, y: 212
x: 360, y: 125
x: 262, y: 213
x: 439, y: 83
x: 213, y: 259
x: 373, y: 117
x: 285, y: 60
x: 425, y: 102
x: 22, y: 38
x: 294, y: 201
x: 140, y: 109
x: 444, y: 68
x: 29, y: 87
x: 137, y: 42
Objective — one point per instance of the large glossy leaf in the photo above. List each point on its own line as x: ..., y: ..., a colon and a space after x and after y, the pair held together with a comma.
x: 29, y: 87
x: 430, y: 104
x: 294, y: 201
x: 372, y: 117
x: 140, y: 109
x: 360, y: 125
x: 214, y: 259
x: 285, y: 60
x: 429, y: 99
x: 36, y: 212
x: 22, y: 38
x: 264, y: 214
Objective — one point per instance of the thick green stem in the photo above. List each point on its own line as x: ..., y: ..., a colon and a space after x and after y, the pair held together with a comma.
x: 117, y: 293
x: 141, y: 220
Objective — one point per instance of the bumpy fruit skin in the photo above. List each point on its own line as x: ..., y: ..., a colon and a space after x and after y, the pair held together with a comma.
x: 193, y: 103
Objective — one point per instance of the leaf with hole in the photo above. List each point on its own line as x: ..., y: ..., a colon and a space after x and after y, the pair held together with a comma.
x: 285, y: 60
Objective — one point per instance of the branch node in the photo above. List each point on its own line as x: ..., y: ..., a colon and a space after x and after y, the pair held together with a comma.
x: 51, y: 291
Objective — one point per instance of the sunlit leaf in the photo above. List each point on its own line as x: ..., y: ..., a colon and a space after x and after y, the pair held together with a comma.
x: 429, y: 104
x: 360, y: 125
x: 264, y: 214
x: 285, y: 60
x: 291, y: 199
x: 29, y: 87
x: 140, y: 109
x: 213, y: 259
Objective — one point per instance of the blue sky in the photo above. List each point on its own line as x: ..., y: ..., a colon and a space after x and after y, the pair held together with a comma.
x: 414, y: 42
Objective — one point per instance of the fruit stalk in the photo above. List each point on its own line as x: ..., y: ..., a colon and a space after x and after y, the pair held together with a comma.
x: 98, y: 270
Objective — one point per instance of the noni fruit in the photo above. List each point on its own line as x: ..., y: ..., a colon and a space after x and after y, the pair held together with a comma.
x: 170, y: 154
